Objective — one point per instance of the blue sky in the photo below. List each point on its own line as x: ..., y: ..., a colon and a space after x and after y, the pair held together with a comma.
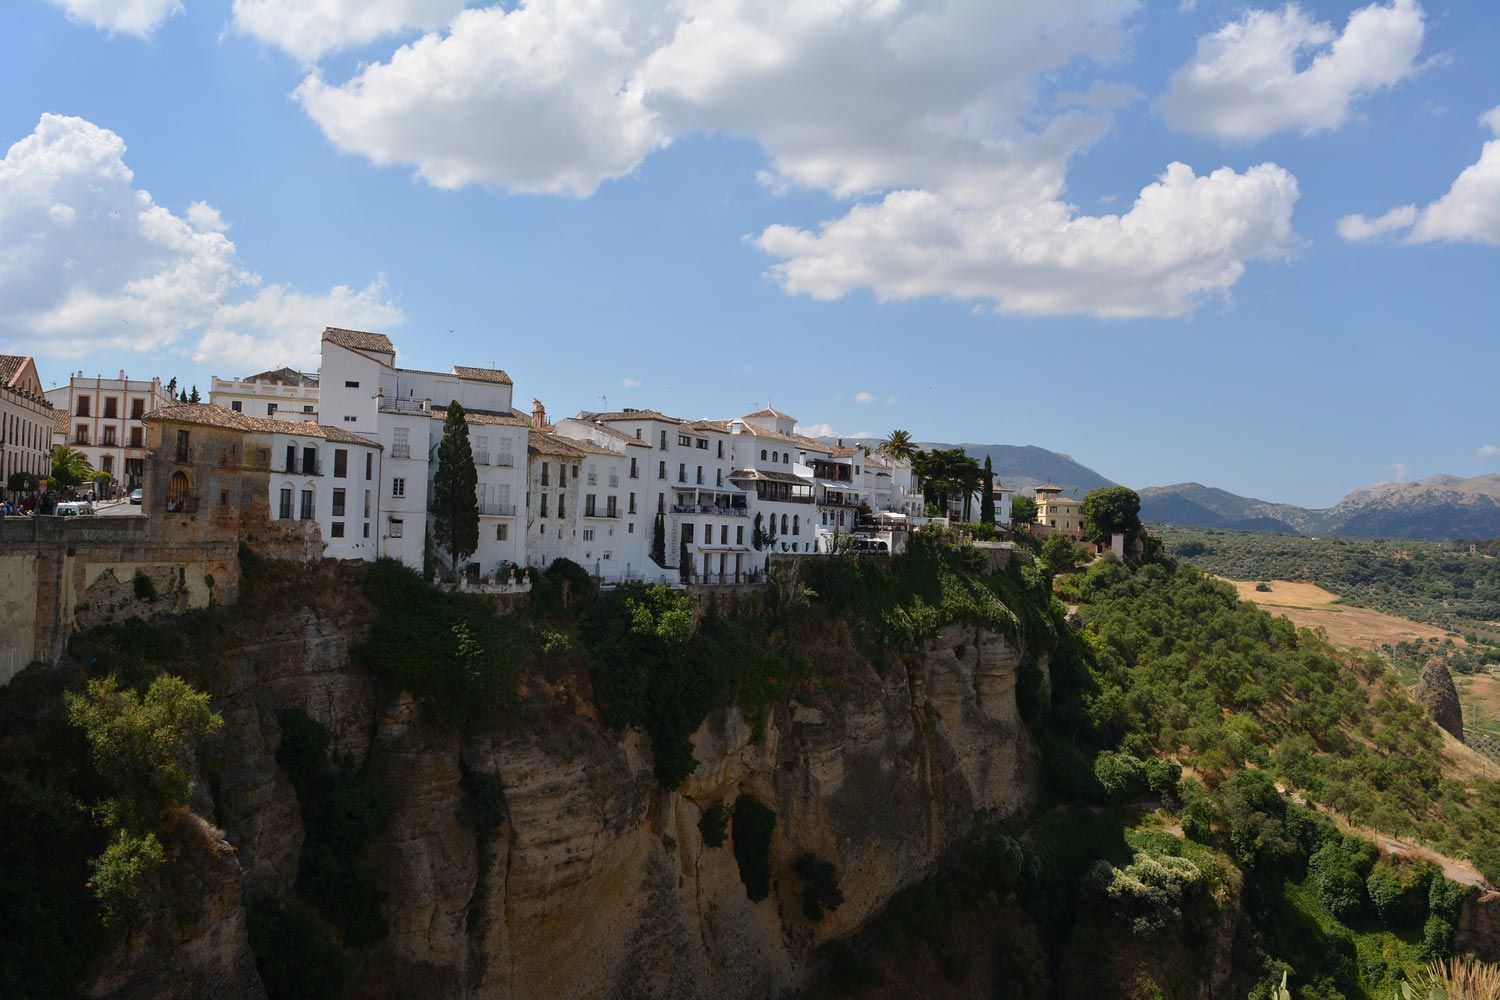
x: 873, y: 216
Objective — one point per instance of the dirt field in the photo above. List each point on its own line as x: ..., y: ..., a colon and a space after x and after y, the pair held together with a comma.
x: 1310, y: 606
x: 1480, y: 696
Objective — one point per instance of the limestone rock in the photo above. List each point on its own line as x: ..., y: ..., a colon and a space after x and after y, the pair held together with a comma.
x: 1437, y: 694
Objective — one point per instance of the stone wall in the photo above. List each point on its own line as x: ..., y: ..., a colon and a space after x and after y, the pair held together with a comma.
x: 62, y: 574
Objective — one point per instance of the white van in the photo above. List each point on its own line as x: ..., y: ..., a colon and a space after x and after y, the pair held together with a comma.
x: 74, y: 508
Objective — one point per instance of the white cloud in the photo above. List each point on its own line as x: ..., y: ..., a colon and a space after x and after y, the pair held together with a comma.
x: 1469, y: 212
x: 1488, y: 451
x: 827, y: 431
x: 1357, y: 227
x: 934, y: 111
x: 534, y: 99
x: 1399, y: 470
x: 870, y: 397
x: 630, y: 383
x: 1186, y: 239
x: 92, y: 263
x: 307, y: 29
x: 1273, y: 71
x: 128, y: 17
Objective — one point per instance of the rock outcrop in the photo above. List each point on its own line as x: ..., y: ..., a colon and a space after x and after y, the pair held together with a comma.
x: 597, y: 883
x: 1436, y: 693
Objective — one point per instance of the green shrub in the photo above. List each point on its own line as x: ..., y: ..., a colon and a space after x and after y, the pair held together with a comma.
x: 753, y: 825
x: 820, y: 891
x: 1399, y: 891
x: 144, y: 589
x: 1437, y: 938
x: 125, y: 877
x: 713, y: 825
x: 1263, y: 588
x: 1120, y: 775
x: 293, y: 955
x: 1338, y: 871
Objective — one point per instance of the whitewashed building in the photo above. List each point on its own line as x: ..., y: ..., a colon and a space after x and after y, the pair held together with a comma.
x: 361, y: 390
x: 105, y: 422
x: 25, y: 421
x: 285, y: 394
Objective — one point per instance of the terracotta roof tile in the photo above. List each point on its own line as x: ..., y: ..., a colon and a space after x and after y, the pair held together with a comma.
x: 772, y: 477
x: 846, y: 452
x: 359, y: 340
x: 482, y: 374
x: 768, y: 412
x: 621, y: 415
x: 213, y: 415
x: 483, y: 417
x: 11, y: 365
x: 551, y: 444
x: 60, y: 421
x: 629, y: 439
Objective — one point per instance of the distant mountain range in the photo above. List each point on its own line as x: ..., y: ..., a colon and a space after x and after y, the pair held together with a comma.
x: 1436, y: 508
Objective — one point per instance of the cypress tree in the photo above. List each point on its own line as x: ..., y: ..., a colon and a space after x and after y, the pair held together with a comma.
x: 987, y: 501
x: 455, y: 505
x: 659, y: 540
x: 684, y: 561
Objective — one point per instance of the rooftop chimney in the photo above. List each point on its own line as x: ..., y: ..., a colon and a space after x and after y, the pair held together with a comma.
x: 538, y: 414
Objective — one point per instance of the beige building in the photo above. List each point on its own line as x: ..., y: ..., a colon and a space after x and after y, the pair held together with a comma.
x: 104, y: 421
x: 1058, y: 512
x: 25, y: 421
x: 285, y: 394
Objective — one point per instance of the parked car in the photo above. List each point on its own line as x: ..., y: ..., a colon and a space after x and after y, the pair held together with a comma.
x: 135, y: 497
x: 74, y: 508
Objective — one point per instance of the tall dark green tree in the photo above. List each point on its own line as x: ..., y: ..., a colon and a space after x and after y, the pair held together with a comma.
x: 1110, y: 510
x: 684, y: 561
x: 1023, y: 510
x: 455, y: 505
x: 659, y: 540
x: 193, y: 396
x: 987, y: 498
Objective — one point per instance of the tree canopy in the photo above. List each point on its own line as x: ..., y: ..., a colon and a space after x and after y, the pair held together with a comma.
x: 948, y: 472
x: 455, y: 505
x: 70, y: 467
x: 1110, y: 510
x: 898, y: 445
x: 1023, y: 509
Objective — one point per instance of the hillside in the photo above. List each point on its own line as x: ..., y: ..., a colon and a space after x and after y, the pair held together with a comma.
x: 1437, y: 508
x: 1022, y: 467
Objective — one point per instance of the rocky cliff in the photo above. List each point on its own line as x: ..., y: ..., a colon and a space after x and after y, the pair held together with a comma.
x: 597, y: 882
x: 1436, y: 693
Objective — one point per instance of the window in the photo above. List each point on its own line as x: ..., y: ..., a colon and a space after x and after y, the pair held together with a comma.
x: 783, y: 524
x: 81, y: 435
x: 83, y: 406
x: 291, y: 458
x: 338, y: 503
x: 307, y: 408
x: 637, y: 433
x: 223, y: 498
x: 633, y: 473
x: 700, y: 475
x: 270, y: 409
x: 763, y: 454
x: 721, y: 449
x: 562, y: 474
x: 399, y: 446
x: 739, y: 535
x: 723, y: 534
x: 682, y: 472
x: 632, y: 503
x: 340, y: 463
x: 369, y: 463
x: 138, y: 409
x: 611, y: 507
x: 702, y: 444
x: 398, y: 487
x: 183, y: 452
x: 544, y: 505
x: 562, y: 505
x: 663, y: 440
x: 588, y: 505
x: 347, y: 419
x: 588, y: 534
x: 310, y: 465
x: 687, y: 533
x: 632, y: 527
x: 109, y: 462
x: 351, y: 385
x: 338, y: 529
x: 237, y: 406
x: 661, y: 470
x: 286, y: 502
x: 545, y: 480
x: 796, y: 525
x: 593, y: 474
x: 367, y: 503
x: 306, y: 512
x: 109, y: 436
x: 367, y: 529
x: 684, y: 440
x: 396, y: 527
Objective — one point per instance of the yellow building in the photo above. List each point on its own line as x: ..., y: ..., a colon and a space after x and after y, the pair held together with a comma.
x: 1058, y: 512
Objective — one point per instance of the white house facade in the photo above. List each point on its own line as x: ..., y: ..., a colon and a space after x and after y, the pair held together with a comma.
x: 105, y: 422
x: 284, y: 394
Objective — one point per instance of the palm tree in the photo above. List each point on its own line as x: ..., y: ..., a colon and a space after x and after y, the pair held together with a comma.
x: 898, y: 445
x: 70, y: 467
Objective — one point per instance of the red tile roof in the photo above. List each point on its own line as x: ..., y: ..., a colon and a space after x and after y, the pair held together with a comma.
x: 213, y: 415
x: 359, y: 340
x: 482, y: 374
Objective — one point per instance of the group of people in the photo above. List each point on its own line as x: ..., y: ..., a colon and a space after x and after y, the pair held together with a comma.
x: 22, y: 507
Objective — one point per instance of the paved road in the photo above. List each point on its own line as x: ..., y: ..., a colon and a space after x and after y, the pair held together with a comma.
x: 117, y: 508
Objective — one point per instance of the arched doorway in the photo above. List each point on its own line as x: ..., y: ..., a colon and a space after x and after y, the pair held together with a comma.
x: 179, y: 492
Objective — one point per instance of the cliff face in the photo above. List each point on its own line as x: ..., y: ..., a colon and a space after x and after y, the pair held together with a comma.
x: 597, y: 883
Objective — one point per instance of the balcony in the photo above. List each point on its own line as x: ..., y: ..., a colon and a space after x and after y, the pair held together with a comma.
x: 704, y: 508
x: 401, y: 451
x: 314, y: 468
x: 506, y: 461
x: 481, y: 458
x: 393, y: 404
x: 614, y: 480
x: 497, y: 509
x: 593, y: 479
x: 591, y: 512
